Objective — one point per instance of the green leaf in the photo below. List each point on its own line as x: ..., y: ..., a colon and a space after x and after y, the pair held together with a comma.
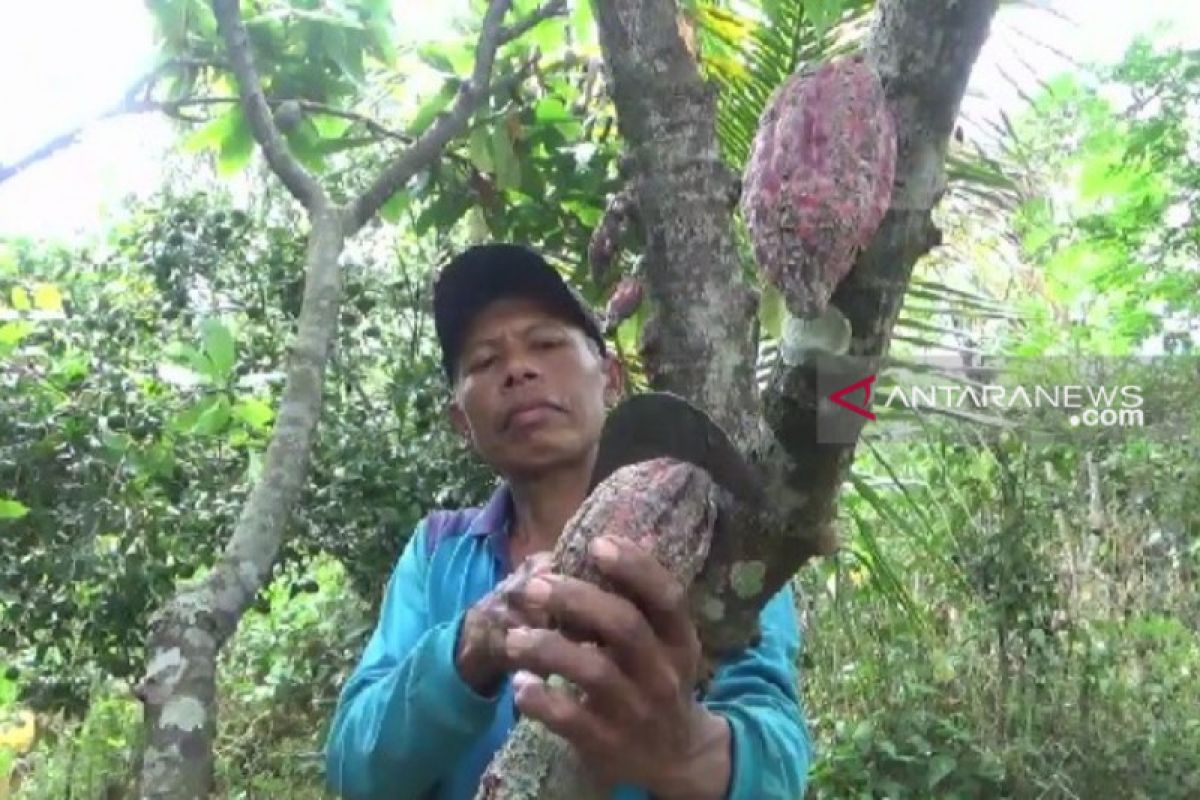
x: 346, y: 53
x: 305, y: 144
x: 12, y: 509
x: 254, y: 413
x: 583, y: 24
x: 381, y: 42
x: 211, y: 135
x: 771, y: 311
x: 20, y: 299
x: 432, y: 107
x: 219, y: 346
x: 480, y: 148
x: 329, y: 126
x: 940, y: 766
x: 432, y: 56
x: 508, y: 166
x: 11, y: 334
x: 213, y: 419
x: 236, y: 150
x: 548, y: 36
x: 395, y: 206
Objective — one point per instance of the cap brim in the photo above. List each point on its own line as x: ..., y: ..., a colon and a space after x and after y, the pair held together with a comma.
x: 486, y: 273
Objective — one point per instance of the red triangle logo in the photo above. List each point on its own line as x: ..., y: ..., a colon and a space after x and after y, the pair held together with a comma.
x: 865, y: 384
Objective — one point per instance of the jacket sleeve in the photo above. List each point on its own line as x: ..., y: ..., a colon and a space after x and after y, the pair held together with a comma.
x: 405, y: 715
x: 757, y: 692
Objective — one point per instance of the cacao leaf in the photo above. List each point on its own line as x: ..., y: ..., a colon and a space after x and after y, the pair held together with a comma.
x: 395, y: 206
x: 432, y: 107
x: 47, y: 297
x: 480, y: 147
x: 219, y: 346
x: 254, y: 413
x: 214, y: 418
x: 237, y: 147
x: 20, y: 299
x: 508, y: 166
x: 12, y: 509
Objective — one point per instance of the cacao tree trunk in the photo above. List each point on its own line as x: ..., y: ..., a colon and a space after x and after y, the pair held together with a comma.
x: 700, y: 339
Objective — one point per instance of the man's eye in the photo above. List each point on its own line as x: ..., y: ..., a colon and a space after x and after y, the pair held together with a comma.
x: 546, y: 344
x: 482, y: 363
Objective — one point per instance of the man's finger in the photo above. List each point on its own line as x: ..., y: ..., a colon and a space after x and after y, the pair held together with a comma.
x: 585, y: 611
x: 546, y: 652
x: 565, y: 715
x: 642, y: 578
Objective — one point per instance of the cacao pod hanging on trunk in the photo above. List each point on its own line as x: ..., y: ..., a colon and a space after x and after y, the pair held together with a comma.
x: 624, y: 302
x: 819, y: 179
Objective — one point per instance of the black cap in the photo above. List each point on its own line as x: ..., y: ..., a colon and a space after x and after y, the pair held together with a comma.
x: 488, y: 272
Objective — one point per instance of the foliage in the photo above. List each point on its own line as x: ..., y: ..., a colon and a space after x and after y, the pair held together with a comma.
x: 1114, y: 223
x: 130, y: 458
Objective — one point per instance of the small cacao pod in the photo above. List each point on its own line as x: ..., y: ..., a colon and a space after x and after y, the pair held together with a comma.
x: 606, y: 238
x: 624, y: 301
x: 819, y: 179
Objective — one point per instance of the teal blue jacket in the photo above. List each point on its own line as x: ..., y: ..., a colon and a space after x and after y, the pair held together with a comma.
x: 407, y: 726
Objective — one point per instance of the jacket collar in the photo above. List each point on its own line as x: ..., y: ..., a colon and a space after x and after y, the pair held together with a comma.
x: 494, y: 522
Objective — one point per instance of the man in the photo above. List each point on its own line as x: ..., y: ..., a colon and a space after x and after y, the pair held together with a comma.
x: 463, y: 639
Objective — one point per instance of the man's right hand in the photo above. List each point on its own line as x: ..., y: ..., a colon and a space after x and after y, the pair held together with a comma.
x: 481, y: 658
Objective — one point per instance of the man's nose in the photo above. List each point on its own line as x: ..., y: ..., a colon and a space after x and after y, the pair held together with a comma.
x: 520, y: 369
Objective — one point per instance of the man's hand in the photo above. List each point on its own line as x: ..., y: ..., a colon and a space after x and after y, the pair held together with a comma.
x: 481, y: 658
x: 638, y: 722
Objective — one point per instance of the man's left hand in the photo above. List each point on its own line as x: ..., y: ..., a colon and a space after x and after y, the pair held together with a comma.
x: 637, y: 722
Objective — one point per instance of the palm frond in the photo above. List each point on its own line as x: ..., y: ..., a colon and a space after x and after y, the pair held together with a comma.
x: 749, y: 49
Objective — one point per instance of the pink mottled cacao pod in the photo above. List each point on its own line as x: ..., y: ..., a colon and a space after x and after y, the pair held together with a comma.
x: 819, y: 179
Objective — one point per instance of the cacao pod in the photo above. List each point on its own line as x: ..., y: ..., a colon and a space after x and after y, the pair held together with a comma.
x: 668, y: 507
x: 605, y: 243
x: 819, y: 179
x: 624, y: 301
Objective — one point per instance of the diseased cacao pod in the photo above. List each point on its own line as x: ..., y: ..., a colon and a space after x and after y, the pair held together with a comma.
x: 605, y: 243
x: 624, y: 301
x: 819, y: 179
x: 668, y: 507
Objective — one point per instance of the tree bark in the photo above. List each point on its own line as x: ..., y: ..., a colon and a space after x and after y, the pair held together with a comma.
x: 923, y: 51
x: 186, y: 635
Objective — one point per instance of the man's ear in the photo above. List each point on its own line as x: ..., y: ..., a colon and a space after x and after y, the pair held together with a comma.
x: 458, y: 418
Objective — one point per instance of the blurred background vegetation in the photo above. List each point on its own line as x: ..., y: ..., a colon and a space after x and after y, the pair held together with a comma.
x: 1010, y: 615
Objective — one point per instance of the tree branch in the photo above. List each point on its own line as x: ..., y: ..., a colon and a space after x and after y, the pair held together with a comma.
x: 254, y: 104
x: 452, y: 123
x: 126, y: 105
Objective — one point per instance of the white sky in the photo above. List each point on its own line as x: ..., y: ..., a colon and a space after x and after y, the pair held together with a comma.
x: 56, y: 74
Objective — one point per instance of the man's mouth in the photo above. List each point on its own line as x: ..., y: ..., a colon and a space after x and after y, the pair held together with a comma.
x: 529, y: 413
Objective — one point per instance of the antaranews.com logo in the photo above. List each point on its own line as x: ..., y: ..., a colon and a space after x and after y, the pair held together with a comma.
x: 1048, y: 397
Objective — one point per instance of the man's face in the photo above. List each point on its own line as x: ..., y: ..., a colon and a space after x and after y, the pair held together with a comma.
x: 531, y: 389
